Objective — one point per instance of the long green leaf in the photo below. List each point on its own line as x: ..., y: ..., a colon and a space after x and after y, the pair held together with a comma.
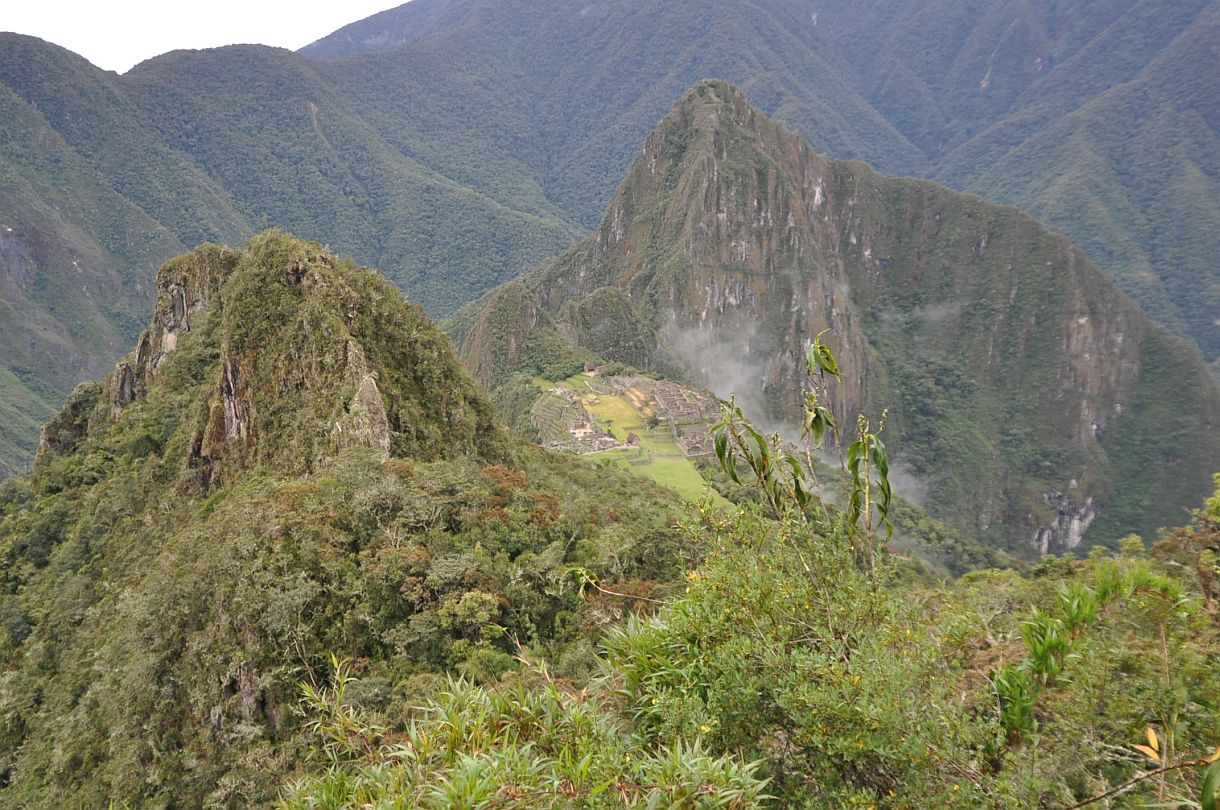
x: 826, y: 360
x: 881, y: 458
x: 1211, y: 786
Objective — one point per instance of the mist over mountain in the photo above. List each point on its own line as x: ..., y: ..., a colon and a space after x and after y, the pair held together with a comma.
x: 1024, y: 390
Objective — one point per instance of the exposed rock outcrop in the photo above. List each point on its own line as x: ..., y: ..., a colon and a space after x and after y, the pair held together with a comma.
x: 291, y: 356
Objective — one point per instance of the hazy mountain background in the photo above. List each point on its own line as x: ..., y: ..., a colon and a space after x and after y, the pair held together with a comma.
x: 1098, y: 118
x: 458, y: 143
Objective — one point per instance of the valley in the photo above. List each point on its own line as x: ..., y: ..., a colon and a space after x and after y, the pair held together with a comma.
x: 1007, y: 363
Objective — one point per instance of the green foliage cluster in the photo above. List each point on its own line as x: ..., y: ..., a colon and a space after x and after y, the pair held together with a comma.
x: 933, y: 549
x: 786, y: 481
x: 826, y: 677
x: 859, y: 695
x: 535, y: 746
x: 846, y: 687
x: 1049, y: 637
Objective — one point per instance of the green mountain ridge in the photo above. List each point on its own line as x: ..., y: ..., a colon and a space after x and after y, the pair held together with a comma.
x: 482, y: 138
x: 70, y: 284
x: 1008, y: 100
x: 289, y: 551
x: 109, y: 176
x: 1026, y: 391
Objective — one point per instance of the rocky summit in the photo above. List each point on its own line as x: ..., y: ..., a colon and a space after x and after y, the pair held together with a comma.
x: 1032, y: 403
x: 306, y: 356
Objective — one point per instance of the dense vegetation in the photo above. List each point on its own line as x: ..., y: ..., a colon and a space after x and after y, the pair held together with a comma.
x: 458, y: 144
x: 283, y: 554
x: 821, y: 680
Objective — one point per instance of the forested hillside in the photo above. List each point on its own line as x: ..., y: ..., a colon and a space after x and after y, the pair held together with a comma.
x: 282, y: 555
x: 290, y: 464
x: 1098, y: 118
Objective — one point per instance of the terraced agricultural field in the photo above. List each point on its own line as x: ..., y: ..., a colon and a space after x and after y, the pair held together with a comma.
x: 657, y: 455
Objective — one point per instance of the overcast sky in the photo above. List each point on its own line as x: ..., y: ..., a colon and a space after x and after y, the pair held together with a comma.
x: 117, y: 34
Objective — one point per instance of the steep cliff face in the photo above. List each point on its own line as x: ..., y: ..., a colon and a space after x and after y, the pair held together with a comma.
x: 710, y: 238
x: 1010, y: 365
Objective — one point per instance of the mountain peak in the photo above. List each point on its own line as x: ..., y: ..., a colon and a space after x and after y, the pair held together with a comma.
x: 718, y: 108
x: 278, y: 356
x: 714, y: 94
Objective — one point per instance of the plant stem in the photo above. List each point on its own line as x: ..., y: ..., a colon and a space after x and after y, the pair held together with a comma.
x: 1135, y: 780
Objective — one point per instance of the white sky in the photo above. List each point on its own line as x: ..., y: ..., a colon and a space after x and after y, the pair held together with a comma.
x: 118, y: 34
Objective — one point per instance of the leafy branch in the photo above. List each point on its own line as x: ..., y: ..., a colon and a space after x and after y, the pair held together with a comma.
x: 790, y: 486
